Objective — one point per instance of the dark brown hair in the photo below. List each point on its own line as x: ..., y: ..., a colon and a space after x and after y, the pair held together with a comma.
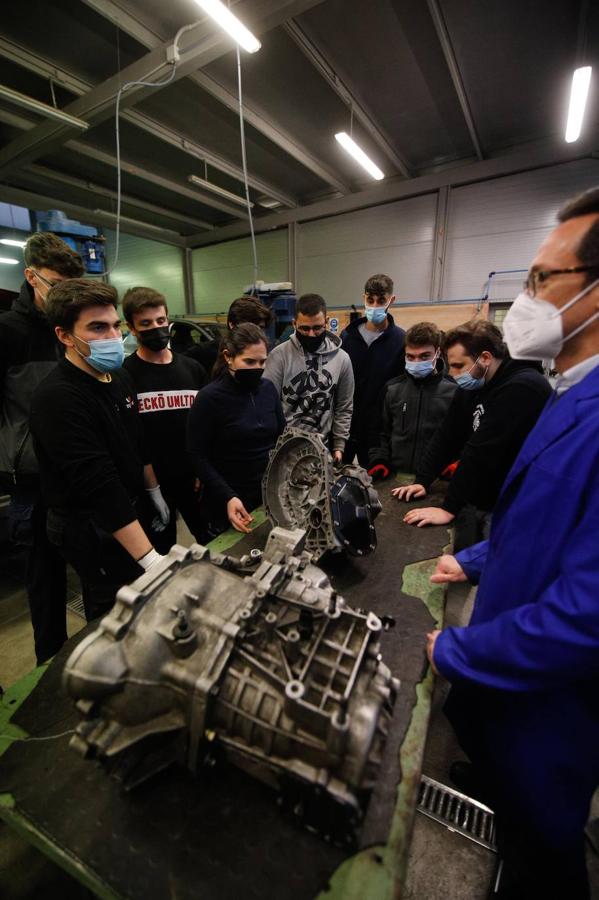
x: 239, y: 339
x: 422, y: 334
x: 248, y: 309
x: 588, y: 250
x: 45, y: 250
x: 310, y: 305
x: 381, y: 285
x: 477, y: 336
x: 67, y: 300
x: 137, y: 299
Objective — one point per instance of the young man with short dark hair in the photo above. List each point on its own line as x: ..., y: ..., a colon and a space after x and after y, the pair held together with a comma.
x: 313, y: 376
x: 28, y: 352
x: 88, y: 442
x: 374, y: 344
x: 166, y: 384
x: 413, y: 404
x: 244, y: 309
x: 497, y: 403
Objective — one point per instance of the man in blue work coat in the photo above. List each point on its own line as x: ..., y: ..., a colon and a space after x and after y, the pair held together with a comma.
x: 525, y: 672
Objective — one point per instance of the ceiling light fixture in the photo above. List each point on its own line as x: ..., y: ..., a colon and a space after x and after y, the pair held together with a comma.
x: 209, y: 186
x: 231, y: 24
x: 41, y: 108
x: 9, y: 262
x: 10, y: 243
x: 581, y: 80
x: 350, y: 146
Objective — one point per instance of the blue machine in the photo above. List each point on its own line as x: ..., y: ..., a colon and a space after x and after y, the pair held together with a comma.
x: 280, y: 299
x: 84, y: 239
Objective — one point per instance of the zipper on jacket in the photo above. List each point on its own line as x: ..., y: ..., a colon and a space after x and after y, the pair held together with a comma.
x: 18, y: 456
x: 416, y: 430
x: 256, y: 411
x: 403, y: 416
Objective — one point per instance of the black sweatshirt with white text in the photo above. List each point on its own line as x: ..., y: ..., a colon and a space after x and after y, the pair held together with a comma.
x: 88, y: 441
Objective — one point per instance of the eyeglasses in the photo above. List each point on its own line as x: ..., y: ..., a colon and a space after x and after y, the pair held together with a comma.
x: 50, y: 284
x: 311, y: 329
x: 535, y: 279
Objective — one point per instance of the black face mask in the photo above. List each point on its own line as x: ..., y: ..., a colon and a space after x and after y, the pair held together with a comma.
x: 248, y: 379
x: 154, y: 338
x: 310, y: 342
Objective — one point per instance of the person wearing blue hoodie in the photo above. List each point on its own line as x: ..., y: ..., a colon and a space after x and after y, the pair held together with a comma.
x: 525, y: 672
x: 375, y: 345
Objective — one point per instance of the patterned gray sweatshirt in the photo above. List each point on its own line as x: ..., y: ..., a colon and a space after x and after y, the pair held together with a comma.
x: 316, y: 389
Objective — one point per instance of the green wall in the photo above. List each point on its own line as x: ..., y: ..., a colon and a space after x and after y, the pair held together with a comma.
x: 145, y: 263
x: 221, y: 271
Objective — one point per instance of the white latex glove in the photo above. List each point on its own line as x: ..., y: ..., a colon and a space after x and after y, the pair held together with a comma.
x: 151, y: 559
x: 160, y: 505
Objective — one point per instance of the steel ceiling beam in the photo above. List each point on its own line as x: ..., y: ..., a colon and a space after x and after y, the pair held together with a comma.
x: 98, y: 190
x: 254, y: 116
x: 389, y: 191
x: 108, y: 159
x: 33, y: 200
x: 40, y: 66
x: 454, y: 71
x: 198, y: 47
x: 309, y: 47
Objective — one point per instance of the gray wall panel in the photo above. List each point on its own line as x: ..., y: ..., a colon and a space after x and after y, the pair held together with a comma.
x: 336, y: 255
x: 147, y: 263
x: 499, y: 224
x: 221, y: 271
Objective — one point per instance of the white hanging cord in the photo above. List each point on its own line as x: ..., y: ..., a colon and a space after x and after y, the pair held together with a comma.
x: 245, y: 173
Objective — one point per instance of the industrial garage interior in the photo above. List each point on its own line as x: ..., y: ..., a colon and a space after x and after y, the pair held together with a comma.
x: 139, y: 132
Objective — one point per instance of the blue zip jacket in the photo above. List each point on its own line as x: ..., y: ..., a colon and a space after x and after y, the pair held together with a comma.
x: 373, y: 367
x: 535, y: 624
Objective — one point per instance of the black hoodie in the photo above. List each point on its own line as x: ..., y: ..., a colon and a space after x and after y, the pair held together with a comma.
x: 28, y: 353
x: 485, y: 429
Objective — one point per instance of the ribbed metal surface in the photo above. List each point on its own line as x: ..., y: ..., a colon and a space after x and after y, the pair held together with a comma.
x: 147, y: 263
x: 457, y: 812
x: 500, y: 224
x: 336, y: 255
x: 75, y: 604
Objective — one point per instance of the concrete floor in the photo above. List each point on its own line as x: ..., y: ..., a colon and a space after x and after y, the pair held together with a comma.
x: 443, y: 865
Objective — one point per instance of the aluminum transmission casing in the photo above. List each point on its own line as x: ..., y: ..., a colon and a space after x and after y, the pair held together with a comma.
x: 271, y: 667
x: 335, y: 506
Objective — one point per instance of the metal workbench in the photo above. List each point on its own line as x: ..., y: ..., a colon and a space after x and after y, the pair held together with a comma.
x: 222, y: 835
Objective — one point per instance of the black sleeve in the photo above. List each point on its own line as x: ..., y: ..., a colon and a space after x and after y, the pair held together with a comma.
x: 128, y: 382
x: 202, y: 429
x: 380, y: 444
x: 514, y: 411
x: 446, y: 444
x: 66, y: 434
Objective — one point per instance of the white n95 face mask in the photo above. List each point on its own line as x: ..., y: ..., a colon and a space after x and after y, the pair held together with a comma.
x: 533, y: 328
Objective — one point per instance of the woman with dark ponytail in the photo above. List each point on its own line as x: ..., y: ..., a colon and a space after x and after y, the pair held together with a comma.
x: 232, y: 426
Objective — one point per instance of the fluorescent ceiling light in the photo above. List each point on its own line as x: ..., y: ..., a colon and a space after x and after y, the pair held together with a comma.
x: 231, y: 24
x: 581, y: 80
x: 9, y: 262
x: 42, y: 108
x: 350, y: 146
x: 209, y: 186
x: 10, y: 243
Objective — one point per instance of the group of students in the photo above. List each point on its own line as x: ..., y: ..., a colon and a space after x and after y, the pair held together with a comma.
x: 100, y: 452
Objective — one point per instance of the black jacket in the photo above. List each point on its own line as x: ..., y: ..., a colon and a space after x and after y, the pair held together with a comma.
x: 485, y: 430
x: 88, y: 441
x: 412, y: 409
x: 28, y: 353
x: 374, y: 365
x: 230, y: 432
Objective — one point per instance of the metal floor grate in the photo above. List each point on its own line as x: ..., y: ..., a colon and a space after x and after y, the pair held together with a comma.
x: 457, y: 812
x: 75, y: 604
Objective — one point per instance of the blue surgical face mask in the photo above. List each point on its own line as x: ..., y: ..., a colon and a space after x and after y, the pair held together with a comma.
x: 421, y: 369
x: 105, y: 355
x: 468, y: 382
x: 376, y: 314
